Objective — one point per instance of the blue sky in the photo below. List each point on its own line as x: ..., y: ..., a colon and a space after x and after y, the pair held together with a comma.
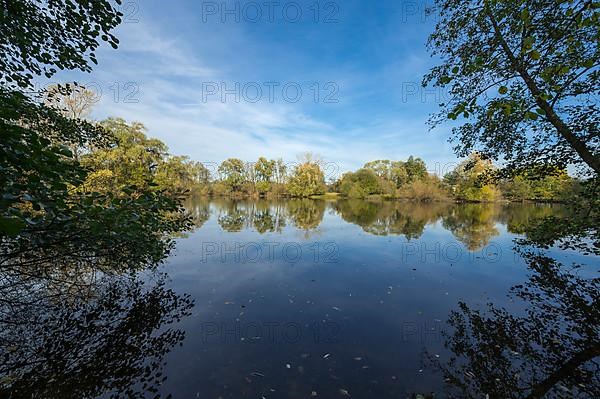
x: 369, y: 56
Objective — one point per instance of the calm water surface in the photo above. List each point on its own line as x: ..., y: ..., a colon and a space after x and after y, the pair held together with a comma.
x: 349, y: 298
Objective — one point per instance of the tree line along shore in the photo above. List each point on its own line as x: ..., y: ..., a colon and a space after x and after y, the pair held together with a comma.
x: 135, y: 159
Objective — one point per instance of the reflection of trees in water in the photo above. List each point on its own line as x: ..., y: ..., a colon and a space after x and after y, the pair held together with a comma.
x: 199, y: 210
x: 356, y: 211
x: 390, y: 217
x: 94, y: 336
x: 521, y: 218
x: 233, y: 217
x: 264, y: 216
x: 472, y: 224
x: 306, y: 214
x: 268, y: 217
x: 551, y: 351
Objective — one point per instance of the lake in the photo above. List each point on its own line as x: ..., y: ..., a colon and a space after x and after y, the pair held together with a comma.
x: 351, y: 298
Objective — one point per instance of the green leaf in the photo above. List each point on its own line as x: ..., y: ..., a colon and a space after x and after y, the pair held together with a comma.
x: 503, y: 90
x: 588, y: 63
x: 531, y: 115
x: 534, y: 55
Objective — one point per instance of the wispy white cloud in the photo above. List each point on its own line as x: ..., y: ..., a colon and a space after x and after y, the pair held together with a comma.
x: 169, y: 69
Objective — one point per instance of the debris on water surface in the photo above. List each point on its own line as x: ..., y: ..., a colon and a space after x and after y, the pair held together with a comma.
x: 326, y: 355
x: 288, y: 366
x: 257, y: 374
x: 344, y: 392
x: 313, y: 393
x: 358, y: 358
x: 336, y: 308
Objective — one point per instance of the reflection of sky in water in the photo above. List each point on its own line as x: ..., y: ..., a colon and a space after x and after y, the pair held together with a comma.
x: 358, y: 323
